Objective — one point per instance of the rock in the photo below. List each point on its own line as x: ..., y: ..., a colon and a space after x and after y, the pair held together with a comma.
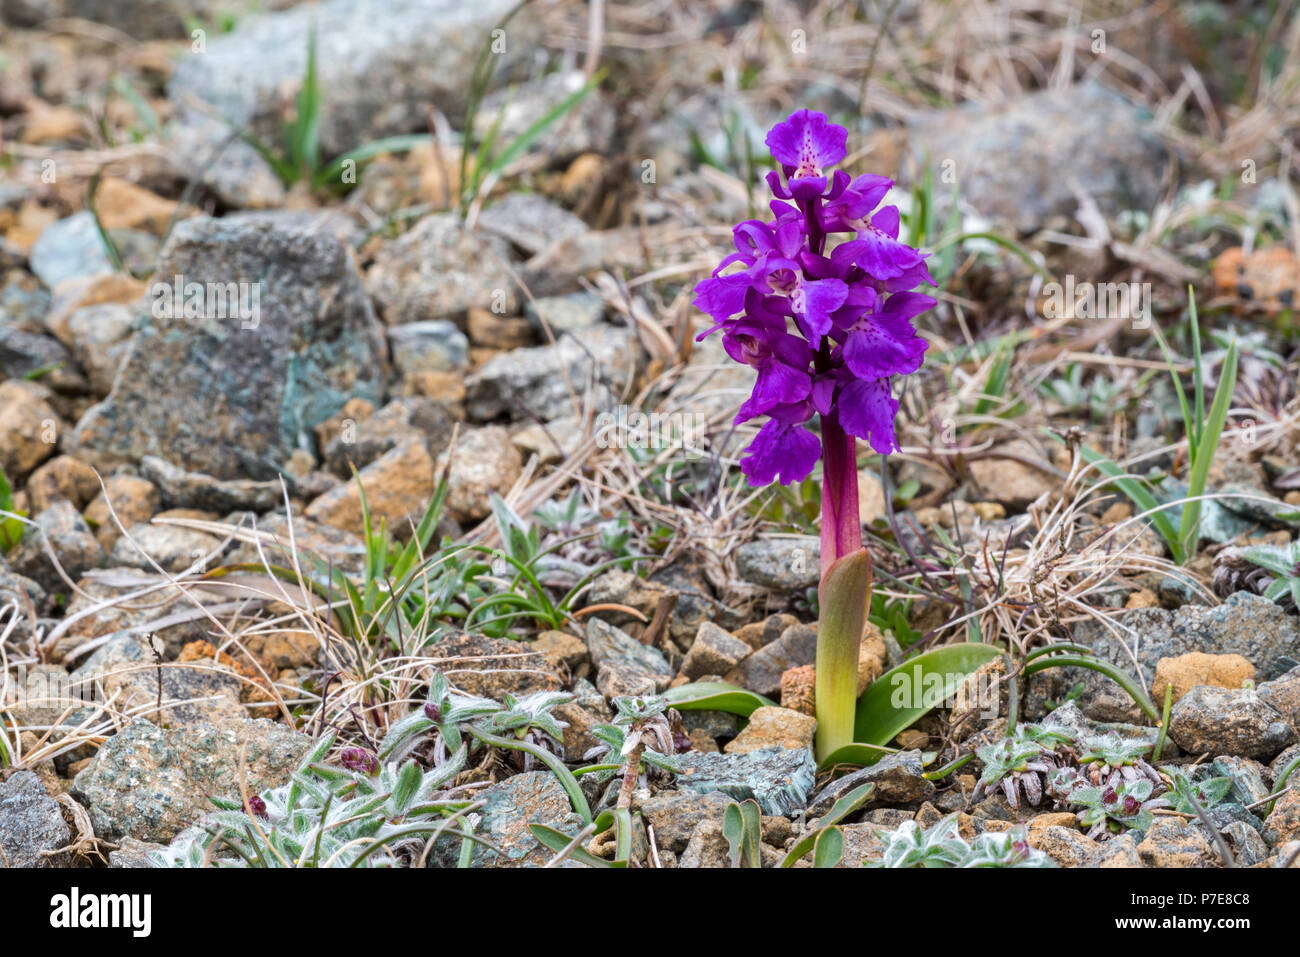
x: 1197, y: 668
x: 69, y: 248
x: 1248, y: 784
x: 284, y: 649
x: 774, y: 728
x: 434, y: 345
x: 483, y: 463
x: 1283, y: 824
x: 561, y: 648
x: 714, y: 652
x: 539, y: 379
x: 530, y: 221
x: 33, y: 354
x: 624, y: 666
x: 786, y: 564
x: 588, y: 127
x: 399, y: 486
x: 131, y: 853
x: 1021, y: 162
x: 62, y: 478
x: 138, y: 19
x: 491, y: 331
x: 779, y: 779
x: 332, y: 546
x: 225, y: 164
x: 245, y: 391
x: 131, y: 498
x: 534, y: 797
x: 438, y: 270
x: 862, y: 843
x: 799, y: 689
x: 29, y: 428
x: 1172, y: 843
x: 1064, y: 845
x: 358, y: 435
x: 150, y: 783
x: 30, y: 822
x: 695, y: 602
x: 99, y: 335
x: 897, y: 777
x: 579, y: 725
x: 182, y: 489
x: 574, y: 313
x: 61, y: 529
x: 125, y: 666
x: 1119, y: 851
x: 1245, y: 624
x: 707, y: 847
x: 375, y: 61
x: 1283, y: 693
x: 1011, y: 482
x: 123, y: 205
x: 1223, y: 721
x: 760, y: 633
x: 675, y: 814
x: 173, y: 547
x: 492, y: 667
x: 1248, y: 848
x: 762, y: 670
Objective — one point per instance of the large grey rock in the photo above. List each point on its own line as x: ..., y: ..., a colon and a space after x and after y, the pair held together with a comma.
x: 30, y: 822
x: 1027, y: 160
x: 1245, y: 624
x: 540, y: 379
x: 779, y: 779
x: 534, y: 797
x: 150, y: 783
x: 439, y: 269
x: 241, y: 394
x: 381, y: 64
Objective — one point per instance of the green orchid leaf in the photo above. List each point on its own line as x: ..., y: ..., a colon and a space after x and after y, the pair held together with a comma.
x: 903, y: 695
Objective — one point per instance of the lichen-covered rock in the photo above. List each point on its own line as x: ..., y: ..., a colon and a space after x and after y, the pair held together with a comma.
x: 151, y: 783
x: 530, y: 221
x: 29, y: 427
x: 779, y: 779
x: 172, y: 547
x: 484, y: 463
x: 707, y: 847
x: 30, y: 822
x: 244, y: 391
x: 128, y: 497
x: 1224, y: 721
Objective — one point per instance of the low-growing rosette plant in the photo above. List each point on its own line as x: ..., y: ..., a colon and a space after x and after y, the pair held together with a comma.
x: 826, y: 328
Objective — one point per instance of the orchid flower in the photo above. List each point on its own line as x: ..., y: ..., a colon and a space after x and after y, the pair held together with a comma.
x: 825, y: 334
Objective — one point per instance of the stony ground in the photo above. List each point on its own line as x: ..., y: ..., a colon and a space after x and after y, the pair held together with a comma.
x: 235, y: 373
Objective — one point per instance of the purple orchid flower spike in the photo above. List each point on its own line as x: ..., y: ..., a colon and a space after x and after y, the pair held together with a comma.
x: 825, y: 333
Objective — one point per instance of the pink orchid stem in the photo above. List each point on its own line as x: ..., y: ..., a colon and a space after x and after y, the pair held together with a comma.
x: 841, y: 523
